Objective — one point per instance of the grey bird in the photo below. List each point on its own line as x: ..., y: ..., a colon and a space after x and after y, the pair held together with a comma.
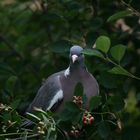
x: 59, y: 87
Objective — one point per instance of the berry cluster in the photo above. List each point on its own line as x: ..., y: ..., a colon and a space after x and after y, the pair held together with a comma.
x: 78, y: 100
x: 1, y: 106
x: 40, y: 128
x: 75, y: 132
x: 4, y: 107
x: 87, y: 118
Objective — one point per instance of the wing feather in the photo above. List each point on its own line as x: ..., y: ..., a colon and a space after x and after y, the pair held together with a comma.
x: 48, y: 95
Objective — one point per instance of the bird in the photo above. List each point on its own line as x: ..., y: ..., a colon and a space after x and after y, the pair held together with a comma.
x: 59, y: 87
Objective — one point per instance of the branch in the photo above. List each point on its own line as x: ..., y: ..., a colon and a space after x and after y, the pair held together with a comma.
x: 118, y: 65
x: 135, y: 12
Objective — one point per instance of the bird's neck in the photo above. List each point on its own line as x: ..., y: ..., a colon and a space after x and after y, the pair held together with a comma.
x: 77, y: 67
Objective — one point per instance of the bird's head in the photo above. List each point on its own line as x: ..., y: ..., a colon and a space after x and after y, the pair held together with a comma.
x: 76, y: 56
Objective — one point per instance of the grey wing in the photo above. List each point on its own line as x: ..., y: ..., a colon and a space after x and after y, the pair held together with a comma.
x: 97, y: 86
x: 48, y: 95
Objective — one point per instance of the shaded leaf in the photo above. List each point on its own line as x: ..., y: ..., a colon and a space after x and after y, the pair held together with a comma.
x: 11, y: 83
x: 95, y: 102
x: 5, y: 68
x: 118, y: 52
x: 15, y: 104
x: 97, y: 23
x: 116, y: 103
x: 16, y: 117
x: 104, y: 129
x: 90, y: 39
x: 118, y: 15
x: 92, y: 52
x: 78, y: 90
x: 51, y: 135
x: 103, y: 43
x: 119, y: 70
x: 108, y: 80
x: 72, y: 107
x: 71, y: 112
x: 60, y: 46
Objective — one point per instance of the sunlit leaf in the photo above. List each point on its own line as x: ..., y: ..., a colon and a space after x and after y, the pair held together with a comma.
x: 131, y: 102
x: 118, y: 52
x: 33, y: 116
x: 103, y: 43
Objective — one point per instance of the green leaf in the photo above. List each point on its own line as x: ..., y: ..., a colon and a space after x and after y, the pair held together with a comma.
x: 119, y: 15
x: 120, y: 71
x: 103, y: 43
x: 11, y: 83
x: 5, y: 69
x: 71, y: 112
x: 92, y: 52
x: 96, y: 23
x: 60, y: 46
x: 72, y: 107
x: 104, y: 129
x: 118, y: 52
x: 40, y: 110
x: 108, y: 80
x: 78, y: 89
x: 33, y: 116
x: 116, y: 103
x: 15, y: 104
x: 95, y: 102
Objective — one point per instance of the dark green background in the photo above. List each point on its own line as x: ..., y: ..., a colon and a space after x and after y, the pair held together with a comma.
x: 35, y: 37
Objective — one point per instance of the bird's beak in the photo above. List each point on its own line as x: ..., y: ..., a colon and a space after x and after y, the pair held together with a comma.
x: 74, y: 58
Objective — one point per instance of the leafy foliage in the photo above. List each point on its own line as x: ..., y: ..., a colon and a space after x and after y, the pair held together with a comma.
x: 117, y: 52
x: 118, y: 15
x: 103, y: 43
x: 34, y: 42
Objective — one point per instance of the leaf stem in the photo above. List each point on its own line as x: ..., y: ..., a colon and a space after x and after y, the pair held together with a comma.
x: 10, y: 134
x: 102, y: 113
x: 114, y: 63
x: 110, y: 122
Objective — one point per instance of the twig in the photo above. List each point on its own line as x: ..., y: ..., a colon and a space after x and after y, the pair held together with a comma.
x: 21, y: 138
x: 10, y: 134
x: 110, y: 122
x: 118, y: 65
x: 136, y: 12
x: 102, y: 113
